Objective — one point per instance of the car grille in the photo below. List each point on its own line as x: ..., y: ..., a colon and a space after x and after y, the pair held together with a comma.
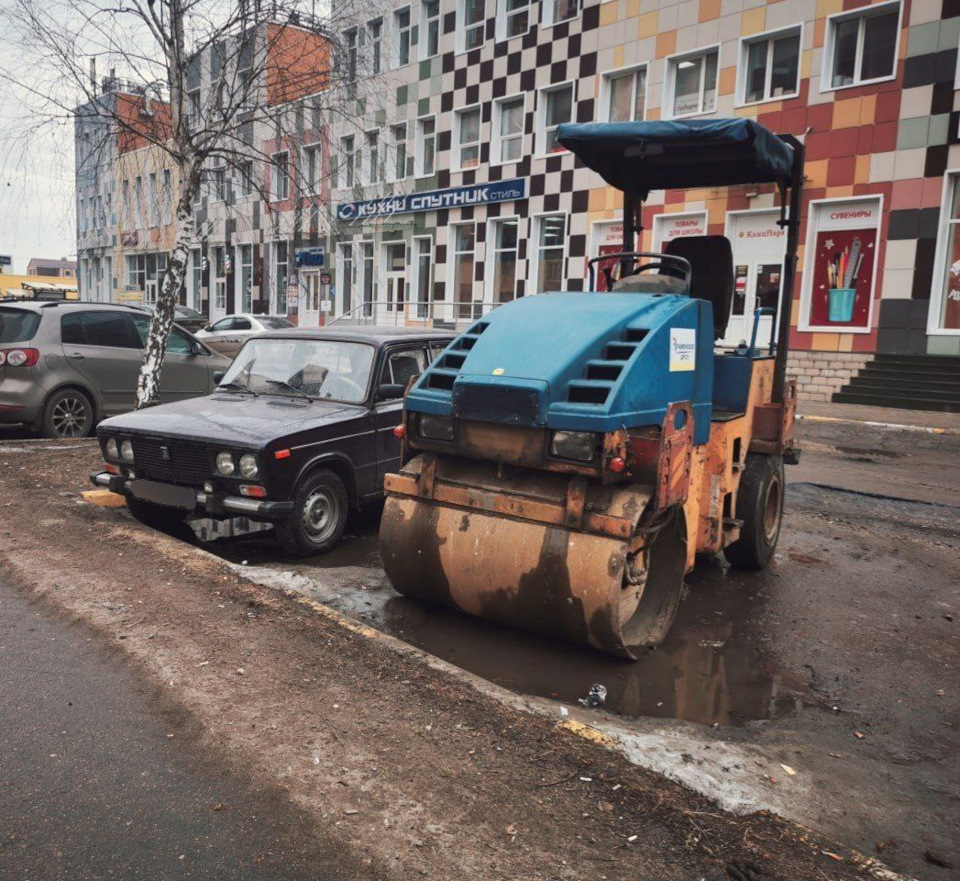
x: 175, y: 461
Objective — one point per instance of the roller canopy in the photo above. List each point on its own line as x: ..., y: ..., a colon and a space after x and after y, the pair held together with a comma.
x: 638, y: 157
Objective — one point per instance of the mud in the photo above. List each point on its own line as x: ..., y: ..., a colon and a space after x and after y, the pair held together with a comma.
x: 712, y: 668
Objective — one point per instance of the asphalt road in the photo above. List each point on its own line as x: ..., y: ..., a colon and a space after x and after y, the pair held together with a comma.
x: 99, y: 780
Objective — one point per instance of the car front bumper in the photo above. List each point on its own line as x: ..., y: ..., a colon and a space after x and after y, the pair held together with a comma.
x: 213, y: 504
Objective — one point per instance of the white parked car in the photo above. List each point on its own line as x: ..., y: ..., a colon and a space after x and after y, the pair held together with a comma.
x: 228, y: 334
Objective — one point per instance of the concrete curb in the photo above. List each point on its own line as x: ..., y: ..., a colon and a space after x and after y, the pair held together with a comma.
x: 886, y: 426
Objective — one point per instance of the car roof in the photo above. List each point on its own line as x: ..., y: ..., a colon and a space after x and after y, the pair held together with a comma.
x: 37, y: 305
x: 367, y: 334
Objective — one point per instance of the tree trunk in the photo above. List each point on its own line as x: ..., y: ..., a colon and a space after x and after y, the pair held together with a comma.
x: 148, y: 382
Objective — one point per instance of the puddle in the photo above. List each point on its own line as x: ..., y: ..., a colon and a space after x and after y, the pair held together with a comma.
x: 711, y: 669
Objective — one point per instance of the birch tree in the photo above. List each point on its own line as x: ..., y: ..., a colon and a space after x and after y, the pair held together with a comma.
x: 259, y: 63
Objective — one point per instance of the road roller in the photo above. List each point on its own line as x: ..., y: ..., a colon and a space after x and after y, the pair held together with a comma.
x: 570, y: 456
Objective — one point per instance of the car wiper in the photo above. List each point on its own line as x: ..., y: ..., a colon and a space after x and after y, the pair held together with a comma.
x: 239, y: 386
x: 293, y: 388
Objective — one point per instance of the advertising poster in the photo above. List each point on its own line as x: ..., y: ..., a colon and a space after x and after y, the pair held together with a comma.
x: 951, y: 293
x: 843, y: 262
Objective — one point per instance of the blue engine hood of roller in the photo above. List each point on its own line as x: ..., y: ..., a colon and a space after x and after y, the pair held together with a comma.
x: 577, y: 361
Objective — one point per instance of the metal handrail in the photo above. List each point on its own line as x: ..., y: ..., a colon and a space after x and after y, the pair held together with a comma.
x: 413, y: 313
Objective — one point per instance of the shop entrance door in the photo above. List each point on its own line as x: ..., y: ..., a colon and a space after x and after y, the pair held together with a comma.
x: 395, y: 275
x: 758, y: 251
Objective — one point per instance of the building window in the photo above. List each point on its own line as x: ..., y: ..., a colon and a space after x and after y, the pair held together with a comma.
x: 549, y: 238
x: 281, y: 269
x: 472, y: 21
x: 426, y: 146
x: 429, y: 28
x: 398, y: 145
x: 127, y: 213
x: 350, y: 53
x: 423, y: 282
x: 167, y: 198
x: 245, y: 178
x: 556, y: 11
x: 504, y: 243
x: 246, y: 278
x: 468, y: 138
x: 193, y: 110
x: 347, y: 161
x: 313, y: 169
x: 507, y: 130
x: 154, y: 207
x: 345, y: 278
x: 373, y: 157
x: 218, y: 183
x: 464, y: 252
x: 692, y: 83
x: 770, y: 66
x: 513, y: 18
x: 145, y: 273
x: 281, y: 177
x: 196, y: 276
x: 554, y: 107
x: 369, y: 288
x: 137, y: 203
x: 375, y: 39
x: 945, y: 302
x: 219, y: 278
x: 401, y: 27
x: 861, y: 46
x: 624, y: 95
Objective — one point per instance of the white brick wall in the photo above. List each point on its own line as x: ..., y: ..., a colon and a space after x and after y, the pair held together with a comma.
x: 820, y: 374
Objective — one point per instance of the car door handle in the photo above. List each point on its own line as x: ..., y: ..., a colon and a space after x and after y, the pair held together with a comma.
x: 76, y: 356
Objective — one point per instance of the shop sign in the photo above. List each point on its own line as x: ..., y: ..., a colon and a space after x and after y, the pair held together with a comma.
x: 678, y: 226
x: 434, y: 200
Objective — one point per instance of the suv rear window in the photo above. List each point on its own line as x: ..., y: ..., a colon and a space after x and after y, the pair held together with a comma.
x: 18, y: 325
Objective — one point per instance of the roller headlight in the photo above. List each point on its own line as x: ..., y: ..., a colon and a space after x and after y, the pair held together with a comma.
x: 436, y: 427
x: 248, y: 465
x: 111, y: 448
x: 578, y: 445
x: 225, y: 465
x: 126, y: 451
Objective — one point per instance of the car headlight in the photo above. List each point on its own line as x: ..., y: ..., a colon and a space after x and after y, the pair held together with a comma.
x: 225, y: 465
x: 112, y: 450
x: 126, y: 451
x: 579, y: 445
x: 436, y: 427
x: 248, y: 465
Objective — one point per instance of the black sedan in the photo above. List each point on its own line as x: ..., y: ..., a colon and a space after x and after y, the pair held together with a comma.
x: 299, y: 432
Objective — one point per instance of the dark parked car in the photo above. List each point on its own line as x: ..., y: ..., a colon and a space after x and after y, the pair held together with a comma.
x: 189, y: 319
x: 299, y: 432
x: 64, y: 365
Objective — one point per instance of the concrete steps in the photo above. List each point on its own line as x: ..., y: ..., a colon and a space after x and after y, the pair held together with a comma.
x: 913, y: 382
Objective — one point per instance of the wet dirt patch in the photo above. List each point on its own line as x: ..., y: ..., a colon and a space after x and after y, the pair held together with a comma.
x: 711, y: 669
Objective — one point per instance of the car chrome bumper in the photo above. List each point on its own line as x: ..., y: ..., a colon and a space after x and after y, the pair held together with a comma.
x: 213, y: 504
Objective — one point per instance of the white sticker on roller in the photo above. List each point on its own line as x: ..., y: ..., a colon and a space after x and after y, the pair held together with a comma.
x: 683, y: 349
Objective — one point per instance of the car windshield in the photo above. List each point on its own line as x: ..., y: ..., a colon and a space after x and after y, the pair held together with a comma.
x: 18, y: 325
x: 275, y: 323
x: 316, y: 368
x: 186, y: 312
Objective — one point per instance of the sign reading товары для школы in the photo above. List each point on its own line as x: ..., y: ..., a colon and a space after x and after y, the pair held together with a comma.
x: 434, y: 200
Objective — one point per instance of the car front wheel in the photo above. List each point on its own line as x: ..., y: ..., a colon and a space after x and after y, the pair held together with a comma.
x: 67, y: 414
x: 320, y: 511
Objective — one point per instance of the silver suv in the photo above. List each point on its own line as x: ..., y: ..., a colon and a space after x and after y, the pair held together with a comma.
x: 64, y: 366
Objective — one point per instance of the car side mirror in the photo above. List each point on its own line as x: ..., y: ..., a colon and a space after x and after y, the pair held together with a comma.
x: 218, y: 376
x: 197, y: 349
x: 208, y: 328
x: 389, y: 391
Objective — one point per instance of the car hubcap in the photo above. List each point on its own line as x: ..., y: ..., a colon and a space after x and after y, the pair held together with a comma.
x: 321, y: 513
x: 70, y: 418
x: 771, y: 513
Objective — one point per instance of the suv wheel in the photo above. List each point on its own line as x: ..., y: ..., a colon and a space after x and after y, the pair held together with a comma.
x: 67, y: 414
x: 319, y: 516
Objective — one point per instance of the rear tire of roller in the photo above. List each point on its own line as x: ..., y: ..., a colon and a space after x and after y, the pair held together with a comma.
x: 760, y: 507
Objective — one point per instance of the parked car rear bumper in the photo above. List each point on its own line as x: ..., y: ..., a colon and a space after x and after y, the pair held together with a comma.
x: 213, y: 504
